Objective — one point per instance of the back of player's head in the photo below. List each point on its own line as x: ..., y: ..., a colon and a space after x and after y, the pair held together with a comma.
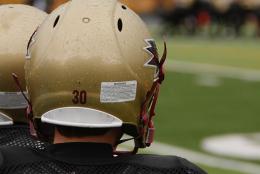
x: 17, y: 23
x: 94, y: 65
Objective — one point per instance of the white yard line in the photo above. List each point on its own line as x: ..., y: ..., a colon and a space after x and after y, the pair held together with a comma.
x: 201, y: 158
x: 217, y: 70
x: 245, y: 146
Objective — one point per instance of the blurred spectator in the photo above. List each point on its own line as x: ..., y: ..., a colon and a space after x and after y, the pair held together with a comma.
x: 178, y: 16
x: 213, y: 17
x: 41, y: 4
x: 52, y: 4
x: 210, y: 17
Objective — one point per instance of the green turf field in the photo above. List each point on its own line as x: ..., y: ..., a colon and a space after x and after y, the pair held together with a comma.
x: 189, y: 111
x: 244, y: 53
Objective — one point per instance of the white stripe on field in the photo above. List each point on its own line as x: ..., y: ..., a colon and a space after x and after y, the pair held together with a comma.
x: 201, y: 158
x: 217, y: 70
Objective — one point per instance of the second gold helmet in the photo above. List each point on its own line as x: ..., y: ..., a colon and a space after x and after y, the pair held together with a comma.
x: 17, y: 23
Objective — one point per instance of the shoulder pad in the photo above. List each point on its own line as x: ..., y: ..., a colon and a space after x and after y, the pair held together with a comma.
x: 17, y: 155
x: 1, y: 159
x: 167, y: 162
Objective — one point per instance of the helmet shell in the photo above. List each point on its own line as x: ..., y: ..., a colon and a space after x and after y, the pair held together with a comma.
x: 94, y: 49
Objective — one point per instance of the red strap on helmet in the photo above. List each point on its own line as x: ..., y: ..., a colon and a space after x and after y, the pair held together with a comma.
x: 29, y: 112
x: 147, y: 116
x: 162, y: 61
x: 31, y: 123
x: 150, y: 134
x: 18, y: 84
x: 151, y: 129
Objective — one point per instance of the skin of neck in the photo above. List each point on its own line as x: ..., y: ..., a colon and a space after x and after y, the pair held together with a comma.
x: 111, y: 137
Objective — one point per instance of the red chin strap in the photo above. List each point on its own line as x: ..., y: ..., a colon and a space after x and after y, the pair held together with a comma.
x: 146, y: 135
x: 29, y: 112
x: 147, y: 129
x: 33, y: 131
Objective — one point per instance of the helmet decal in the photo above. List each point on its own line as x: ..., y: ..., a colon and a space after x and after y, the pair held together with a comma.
x: 151, y: 49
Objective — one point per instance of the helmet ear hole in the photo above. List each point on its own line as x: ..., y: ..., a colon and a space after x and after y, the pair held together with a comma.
x: 120, y: 24
x: 56, y: 21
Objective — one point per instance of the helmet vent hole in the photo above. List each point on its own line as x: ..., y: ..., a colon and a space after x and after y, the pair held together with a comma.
x: 120, y: 24
x: 56, y: 21
x: 124, y: 7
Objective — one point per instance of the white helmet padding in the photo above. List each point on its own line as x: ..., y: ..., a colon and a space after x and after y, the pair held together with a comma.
x: 81, y: 117
x: 5, y: 120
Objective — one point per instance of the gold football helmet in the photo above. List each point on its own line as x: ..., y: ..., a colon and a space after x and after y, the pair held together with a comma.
x: 93, y: 64
x: 17, y: 23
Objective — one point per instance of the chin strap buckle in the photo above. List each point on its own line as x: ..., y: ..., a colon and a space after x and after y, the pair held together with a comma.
x: 150, y: 134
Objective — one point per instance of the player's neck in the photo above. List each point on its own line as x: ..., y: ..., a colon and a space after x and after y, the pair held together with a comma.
x: 107, y: 138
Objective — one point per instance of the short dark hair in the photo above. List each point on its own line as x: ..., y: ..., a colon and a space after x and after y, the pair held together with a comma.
x: 81, y: 132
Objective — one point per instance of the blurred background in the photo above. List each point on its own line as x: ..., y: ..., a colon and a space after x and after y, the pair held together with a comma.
x: 209, y: 107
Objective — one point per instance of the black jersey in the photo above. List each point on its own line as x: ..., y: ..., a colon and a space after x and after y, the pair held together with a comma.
x: 88, y: 158
x: 19, y: 136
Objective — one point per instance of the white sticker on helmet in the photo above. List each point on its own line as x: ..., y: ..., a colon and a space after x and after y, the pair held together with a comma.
x: 12, y: 100
x: 115, y: 92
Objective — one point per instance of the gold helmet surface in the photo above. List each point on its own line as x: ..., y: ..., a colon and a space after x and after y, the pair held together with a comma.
x: 93, y: 64
x: 17, y: 23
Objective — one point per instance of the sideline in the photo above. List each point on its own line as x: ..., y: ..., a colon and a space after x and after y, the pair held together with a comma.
x: 201, y: 158
x: 217, y: 70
